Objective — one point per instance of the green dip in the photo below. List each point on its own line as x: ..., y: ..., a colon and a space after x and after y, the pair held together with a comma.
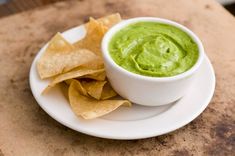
x: 153, y: 49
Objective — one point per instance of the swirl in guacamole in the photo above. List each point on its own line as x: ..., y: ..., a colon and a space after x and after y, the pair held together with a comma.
x: 153, y: 49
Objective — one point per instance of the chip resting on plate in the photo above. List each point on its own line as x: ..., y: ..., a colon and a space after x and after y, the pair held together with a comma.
x: 99, y: 89
x: 95, y: 32
x: 110, y: 20
x: 94, y: 88
x: 90, y: 108
x: 94, y: 35
x: 75, y: 73
x: 80, y: 66
x: 60, y: 56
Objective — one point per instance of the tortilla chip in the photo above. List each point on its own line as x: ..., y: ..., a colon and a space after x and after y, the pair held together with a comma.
x: 110, y: 20
x: 69, y: 81
x: 93, y: 38
x: 75, y: 73
x: 100, y: 76
x: 89, y: 108
x: 78, y: 86
x: 96, y: 64
x: 94, y: 88
x: 99, y: 89
x: 95, y: 32
x: 60, y: 56
x: 107, y: 92
x: 64, y: 89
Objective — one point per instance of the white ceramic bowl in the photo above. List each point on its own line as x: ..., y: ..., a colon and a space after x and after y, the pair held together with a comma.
x: 146, y: 90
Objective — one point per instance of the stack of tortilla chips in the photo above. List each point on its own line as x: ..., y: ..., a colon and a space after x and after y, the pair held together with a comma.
x: 80, y: 66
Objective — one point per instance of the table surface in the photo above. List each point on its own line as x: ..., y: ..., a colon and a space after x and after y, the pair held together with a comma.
x: 25, y: 129
x: 16, y: 6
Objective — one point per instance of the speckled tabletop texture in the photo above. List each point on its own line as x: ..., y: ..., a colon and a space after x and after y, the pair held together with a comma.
x: 26, y: 130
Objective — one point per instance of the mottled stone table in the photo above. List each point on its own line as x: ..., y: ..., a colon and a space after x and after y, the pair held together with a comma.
x: 25, y: 129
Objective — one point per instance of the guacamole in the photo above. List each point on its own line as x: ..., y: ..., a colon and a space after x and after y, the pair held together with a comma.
x: 153, y: 49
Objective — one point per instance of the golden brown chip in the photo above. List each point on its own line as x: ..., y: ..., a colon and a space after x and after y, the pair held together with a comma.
x: 99, y: 89
x: 60, y: 56
x: 89, y: 108
x: 75, y: 73
x: 93, y: 38
x: 96, y: 64
x: 69, y: 81
x: 94, y: 88
x: 66, y: 62
x: 64, y: 90
x: 110, y: 20
x: 107, y: 92
x: 78, y: 86
x: 96, y: 76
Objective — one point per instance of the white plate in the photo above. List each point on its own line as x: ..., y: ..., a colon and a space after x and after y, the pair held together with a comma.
x: 126, y: 123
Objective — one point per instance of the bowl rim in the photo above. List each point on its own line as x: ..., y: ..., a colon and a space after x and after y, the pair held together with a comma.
x: 107, y: 58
